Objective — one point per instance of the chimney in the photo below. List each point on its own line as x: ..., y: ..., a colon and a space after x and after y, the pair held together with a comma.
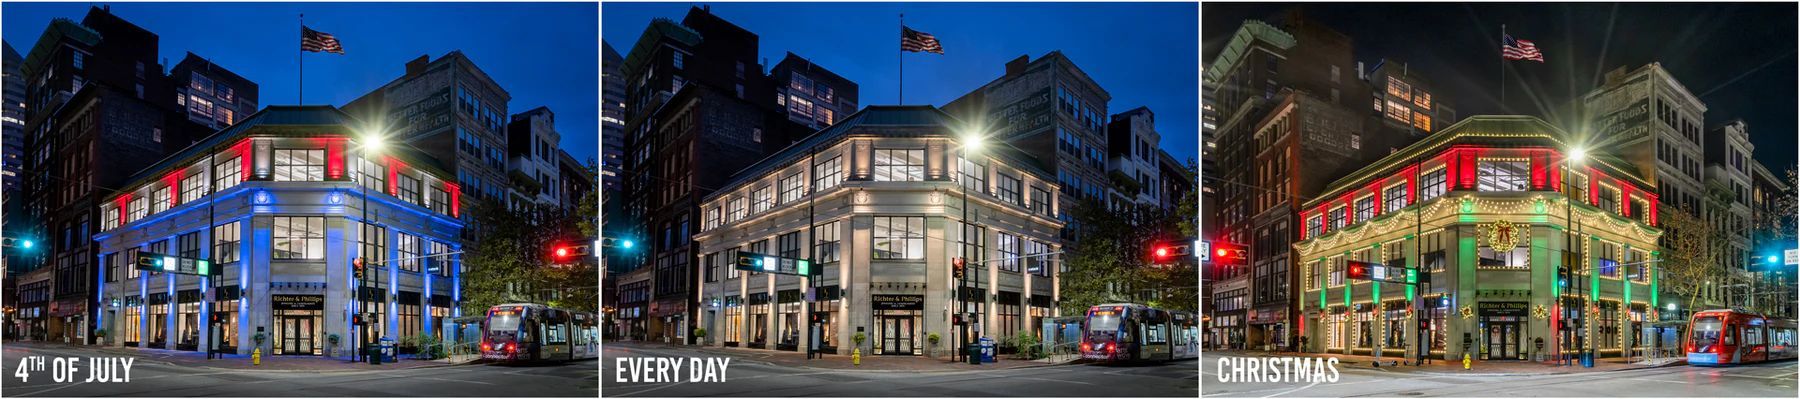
x: 417, y: 65
x: 1017, y: 65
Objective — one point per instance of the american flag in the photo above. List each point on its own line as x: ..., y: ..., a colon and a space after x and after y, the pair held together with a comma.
x: 319, y: 42
x: 916, y: 41
x: 1514, y: 49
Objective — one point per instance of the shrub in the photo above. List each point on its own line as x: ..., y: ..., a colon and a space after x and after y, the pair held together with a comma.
x: 1027, y: 345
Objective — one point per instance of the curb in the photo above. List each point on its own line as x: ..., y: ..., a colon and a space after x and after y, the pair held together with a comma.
x: 736, y: 357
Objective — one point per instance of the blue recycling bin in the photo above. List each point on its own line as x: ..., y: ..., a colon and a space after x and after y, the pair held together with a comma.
x: 987, y: 350
x: 1587, y: 359
x: 387, y: 349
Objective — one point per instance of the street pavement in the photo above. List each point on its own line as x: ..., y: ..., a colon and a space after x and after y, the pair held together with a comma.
x: 152, y: 377
x: 1757, y: 380
x: 748, y: 376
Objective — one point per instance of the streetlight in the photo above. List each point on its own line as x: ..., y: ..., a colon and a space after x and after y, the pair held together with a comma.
x: 1576, y: 155
x: 971, y: 140
x: 370, y: 142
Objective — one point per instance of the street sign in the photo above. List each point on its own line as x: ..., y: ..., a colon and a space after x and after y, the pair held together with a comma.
x: 1792, y: 256
x: 1205, y: 250
x: 1368, y: 271
x: 761, y: 263
x: 171, y: 264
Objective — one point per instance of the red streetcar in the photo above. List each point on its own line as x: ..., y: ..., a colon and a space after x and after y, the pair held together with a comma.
x: 1730, y: 336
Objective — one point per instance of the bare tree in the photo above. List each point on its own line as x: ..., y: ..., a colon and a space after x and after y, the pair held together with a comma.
x: 1691, y: 255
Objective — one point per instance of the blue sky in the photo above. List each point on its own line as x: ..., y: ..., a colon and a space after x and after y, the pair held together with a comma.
x: 1144, y: 54
x: 543, y: 54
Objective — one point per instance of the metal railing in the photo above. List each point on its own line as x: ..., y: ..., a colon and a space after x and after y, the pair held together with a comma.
x: 1063, y: 353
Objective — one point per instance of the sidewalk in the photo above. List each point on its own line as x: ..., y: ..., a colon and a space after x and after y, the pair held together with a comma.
x: 241, y: 362
x: 1454, y: 367
x: 842, y: 362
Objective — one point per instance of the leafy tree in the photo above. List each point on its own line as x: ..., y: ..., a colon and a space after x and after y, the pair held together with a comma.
x: 1109, y: 262
x: 508, y: 261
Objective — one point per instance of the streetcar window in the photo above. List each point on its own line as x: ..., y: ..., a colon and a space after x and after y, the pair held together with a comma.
x: 503, y: 321
x: 1731, y: 335
x: 1706, y: 330
x: 1103, y: 321
x: 1156, y: 333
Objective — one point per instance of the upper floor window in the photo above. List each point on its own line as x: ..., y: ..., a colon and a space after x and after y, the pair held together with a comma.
x: 792, y: 188
x: 1338, y: 217
x: 1502, y: 175
x: 1422, y: 99
x: 899, y: 165
x: 1315, y: 226
x: 973, y: 175
x: 1609, y: 199
x: 409, y: 189
x: 737, y: 210
x: 299, y: 237
x: 1365, y: 208
x: 676, y: 59
x: 192, y: 187
x: 160, y: 199
x: 1432, y: 184
x: 1399, y: 89
x: 1040, y: 201
x: 140, y: 207
x: 373, y: 176
x: 1395, y: 197
x: 828, y: 174
x: 1008, y: 245
x: 761, y: 200
x: 299, y: 165
x: 712, y: 219
x: 440, y: 201
x: 898, y: 237
x: 1009, y: 189
x: 228, y: 174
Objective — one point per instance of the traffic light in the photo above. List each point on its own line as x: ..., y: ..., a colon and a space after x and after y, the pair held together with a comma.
x: 1230, y: 254
x: 27, y: 243
x: 563, y: 253
x: 627, y: 243
x: 1355, y: 270
x: 356, y: 320
x: 957, y: 267
x: 356, y: 267
x: 956, y: 319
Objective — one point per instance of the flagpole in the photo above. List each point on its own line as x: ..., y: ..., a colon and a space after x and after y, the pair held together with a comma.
x: 1503, y: 67
x: 302, y: 99
x: 902, y: 59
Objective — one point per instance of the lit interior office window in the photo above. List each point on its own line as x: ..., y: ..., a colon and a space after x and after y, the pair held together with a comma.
x: 299, y: 165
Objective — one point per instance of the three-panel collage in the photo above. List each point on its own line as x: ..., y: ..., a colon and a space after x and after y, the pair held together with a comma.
x: 772, y: 199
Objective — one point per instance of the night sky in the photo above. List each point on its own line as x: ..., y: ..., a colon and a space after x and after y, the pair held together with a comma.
x: 1738, y: 58
x: 543, y: 54
x: 1141, y: 53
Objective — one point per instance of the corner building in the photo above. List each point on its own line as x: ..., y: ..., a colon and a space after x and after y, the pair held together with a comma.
x: 876, y: 201
x: 288, y: 200
x: 1483, y: 208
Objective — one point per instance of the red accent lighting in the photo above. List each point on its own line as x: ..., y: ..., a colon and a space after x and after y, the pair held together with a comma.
x: 1162, y: 252
x: 562, y: 252
x: 334, y: 158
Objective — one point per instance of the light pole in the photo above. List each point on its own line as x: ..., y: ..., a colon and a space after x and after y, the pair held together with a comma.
x: 1575, y: 155
x: 370, y: 142
x: 970, y: 141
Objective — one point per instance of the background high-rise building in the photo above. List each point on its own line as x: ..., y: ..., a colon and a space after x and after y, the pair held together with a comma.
x: 1132, y: 151
x: 532, y: 160
x: 810, y: 95
x: 212, y: 96
x: 612, y: 117
x: 1056, y: 114
x: 453, y: 111
x: 12, y: 118
x: 1656, y: 126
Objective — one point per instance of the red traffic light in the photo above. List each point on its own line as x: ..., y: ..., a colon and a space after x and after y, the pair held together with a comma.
x: 1162, y: 252
x: 1356, y: 270
x: 1230, y: 254
x: 562, y: 252
x: 1220, y: 252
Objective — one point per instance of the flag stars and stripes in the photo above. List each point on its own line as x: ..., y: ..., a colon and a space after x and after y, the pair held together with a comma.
x: 319, y: 42
x: 1514, y: 49
x: 916, y: 41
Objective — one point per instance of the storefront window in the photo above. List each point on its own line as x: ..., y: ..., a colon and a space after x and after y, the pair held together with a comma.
x: 759, y: 323
x: 788, y: 320
x: 188, y: 325
x: 1518, y: 257
x: 1395, y: 318
x: 133, y: 317
x: 159, y: 316
x: 734, y: 322
x: 1365, y: 329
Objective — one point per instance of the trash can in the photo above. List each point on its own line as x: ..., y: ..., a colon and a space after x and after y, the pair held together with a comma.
x: 987, y: 350
x: 974, y: 354
x: 1587, y: 359
x: 387, y: 350
x: 374, y: 354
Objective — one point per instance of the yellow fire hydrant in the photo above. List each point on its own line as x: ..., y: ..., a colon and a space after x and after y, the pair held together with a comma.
x: 856, y: 357
x: 1465, y: 360
x: 256, y: 357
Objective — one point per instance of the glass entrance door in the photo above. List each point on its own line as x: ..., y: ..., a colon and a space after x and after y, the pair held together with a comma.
x: 896, y: 335
x: 294, y: 336
x: 1503, y: 341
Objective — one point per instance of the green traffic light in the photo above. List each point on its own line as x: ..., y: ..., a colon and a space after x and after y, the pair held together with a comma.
x: 1774, y: 259
x: 627, y: 244
x: 28, y: 244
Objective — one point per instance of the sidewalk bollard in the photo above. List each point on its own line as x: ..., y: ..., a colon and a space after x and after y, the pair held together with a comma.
x: 256, y: 357
x: 856, y: 357
x: 1465, y: 361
